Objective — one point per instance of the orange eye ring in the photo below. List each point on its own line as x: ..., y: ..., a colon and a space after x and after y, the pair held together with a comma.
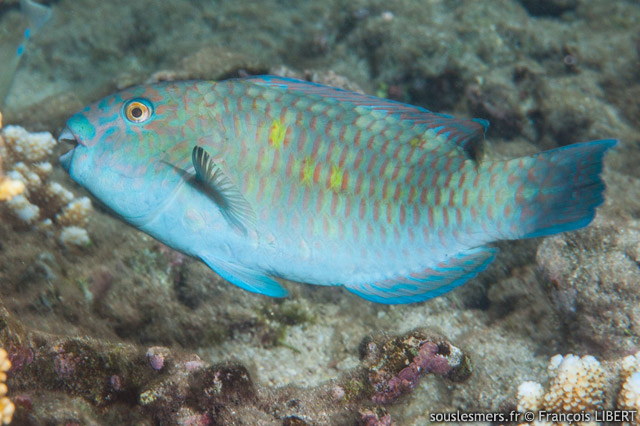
x: 137, y: 111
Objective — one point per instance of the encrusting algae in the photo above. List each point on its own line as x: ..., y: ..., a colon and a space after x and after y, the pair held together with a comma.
x: 6, y: 406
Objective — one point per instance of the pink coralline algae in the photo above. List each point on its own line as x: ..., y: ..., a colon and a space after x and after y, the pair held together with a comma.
x: 371, y: 418
x: 65, y: 363
x: 427, y: 361
x: 156, y: 356
x: 194, y: 364
x: 396, y: 365
x: 20, y: 357
x: 197, y: 420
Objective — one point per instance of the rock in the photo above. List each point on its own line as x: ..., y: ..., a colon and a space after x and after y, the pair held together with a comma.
x: 499, y: 105
x: 173, y: 387
x: 592, y: 280
x: 214, y: 63
x: 549, y: 7
x: 395, y: 365
x: 566, y: 109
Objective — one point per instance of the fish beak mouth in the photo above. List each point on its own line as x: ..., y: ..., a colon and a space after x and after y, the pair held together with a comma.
x: 69, y: 138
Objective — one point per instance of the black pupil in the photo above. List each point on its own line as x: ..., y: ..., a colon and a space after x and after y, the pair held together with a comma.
x: 136, y: 112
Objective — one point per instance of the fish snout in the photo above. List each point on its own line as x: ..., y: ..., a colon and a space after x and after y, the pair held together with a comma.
x: 68, y: 137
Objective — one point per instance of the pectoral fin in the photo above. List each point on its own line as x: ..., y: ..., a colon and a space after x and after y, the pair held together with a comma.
x: 222, y: 191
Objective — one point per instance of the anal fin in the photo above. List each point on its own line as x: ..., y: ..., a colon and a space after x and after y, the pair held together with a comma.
x: 430, y: 282
x: 245, y: 278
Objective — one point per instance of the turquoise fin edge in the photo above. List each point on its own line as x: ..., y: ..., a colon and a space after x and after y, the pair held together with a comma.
x: 433, y: 282
x: 245, y: 278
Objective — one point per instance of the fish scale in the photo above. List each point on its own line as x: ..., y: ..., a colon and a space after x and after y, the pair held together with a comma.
x: 330, y: 149
x: 267, y: 177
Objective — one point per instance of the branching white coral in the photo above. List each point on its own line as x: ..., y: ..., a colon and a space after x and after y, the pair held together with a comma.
x: 58, y: 194
x: 30, y: 196
x: 6, y: 406
x: 9, y: 188
x: 74, y: 236
x: 23, y: 209
x: 630, y: 393
x: 32, y: 147
x: 629, y: 396
x: 530, y: 396
x: 576, y: 384
x: 75, y: 213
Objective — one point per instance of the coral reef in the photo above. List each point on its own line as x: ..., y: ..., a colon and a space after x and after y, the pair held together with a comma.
x: 30, y: 196
x: 166, y: 386
x: 593, y: 280
x: 395, y: 365
x: 545, y: 73
x: 9, y: 188
x: 6, y: 406
x: 629, y: 396
x: 584, y: 385
x: 373, y: 418
x: 576, y: 384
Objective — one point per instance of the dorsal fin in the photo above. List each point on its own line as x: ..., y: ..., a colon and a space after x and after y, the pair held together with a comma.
x: 464, y: 133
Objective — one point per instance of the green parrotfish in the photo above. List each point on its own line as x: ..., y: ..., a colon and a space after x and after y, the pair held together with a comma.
x: 267, y: 177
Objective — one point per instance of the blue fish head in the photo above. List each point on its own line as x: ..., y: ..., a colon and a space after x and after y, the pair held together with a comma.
x: 127, y: 152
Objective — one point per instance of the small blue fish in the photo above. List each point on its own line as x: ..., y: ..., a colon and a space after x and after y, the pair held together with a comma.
x: 37, y: 14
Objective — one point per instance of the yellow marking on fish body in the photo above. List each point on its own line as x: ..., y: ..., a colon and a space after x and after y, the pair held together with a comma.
x: 415, y: 142
x: 335, y: 182
x: 277, y: 133
x: 307, y: 171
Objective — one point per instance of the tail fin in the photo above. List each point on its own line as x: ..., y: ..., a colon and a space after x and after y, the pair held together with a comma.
x: 562, y: 188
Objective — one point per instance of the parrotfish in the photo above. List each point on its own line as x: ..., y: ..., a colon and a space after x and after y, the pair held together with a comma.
x: 37, y: 14
x: 267, y: 178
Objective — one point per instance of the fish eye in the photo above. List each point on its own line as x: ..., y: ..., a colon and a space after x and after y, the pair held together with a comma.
x: 138, y: 110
